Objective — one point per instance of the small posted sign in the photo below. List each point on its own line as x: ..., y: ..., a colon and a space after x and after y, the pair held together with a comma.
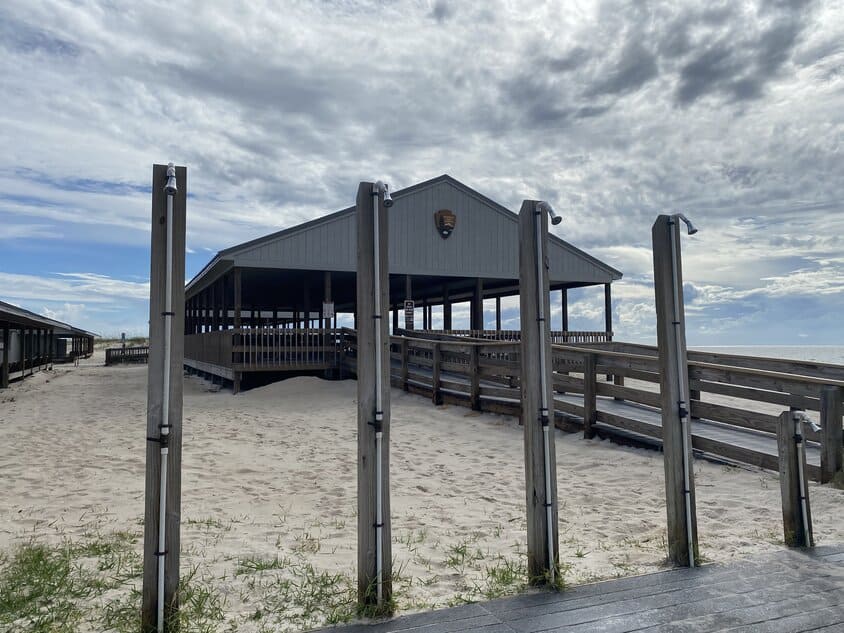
x: 328, y: 310
x: 409, y: 307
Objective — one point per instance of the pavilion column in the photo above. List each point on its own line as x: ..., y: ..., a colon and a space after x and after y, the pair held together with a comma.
x: 213, y: 291
x: 326, y: 297
x: 498, y: 314
x: 608, y: 310
x: 476, y: 310
x: 306, y: 305
x: 408, y: 295
x: 425, y: 324
x: 224, y: 325
x: 237, y: 323
x: 22, y: 366
x: 4, y: 372
x: 446, y: 308
x: 50, y: 341
x: 395, y: 318
x: 564, y: 304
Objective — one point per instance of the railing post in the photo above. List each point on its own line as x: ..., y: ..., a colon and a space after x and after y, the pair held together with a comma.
x: 796, y: 514
x: 832, y: 459
x: 590, y: 395
x: 4, y: 372
x: 405, y: 350
x: 436, y: 394
x: 618, y: 381
x: 475, y: 376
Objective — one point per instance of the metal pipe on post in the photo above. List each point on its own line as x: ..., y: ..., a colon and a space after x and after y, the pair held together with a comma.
x: 373, y: 363
x: 674, y: 388
x: 164, y: 405
x: 535, y: 342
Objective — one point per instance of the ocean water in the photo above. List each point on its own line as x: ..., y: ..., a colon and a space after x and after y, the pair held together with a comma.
x: 817, y: 353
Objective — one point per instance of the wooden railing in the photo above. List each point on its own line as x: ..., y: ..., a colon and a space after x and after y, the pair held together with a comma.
x: 557, y: 336
x: 485, y: 376
x: 265, y: 348
x: 121, y: 355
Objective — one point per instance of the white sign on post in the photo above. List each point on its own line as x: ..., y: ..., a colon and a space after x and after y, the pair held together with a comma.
x: 409, y: 307
x: 328, y: 310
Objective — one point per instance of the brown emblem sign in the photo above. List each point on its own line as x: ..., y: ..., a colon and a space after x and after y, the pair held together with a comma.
x: 445, y: 220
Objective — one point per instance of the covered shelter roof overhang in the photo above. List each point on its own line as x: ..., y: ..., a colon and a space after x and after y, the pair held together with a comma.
x: 17, y: 318
x: 483, y: 245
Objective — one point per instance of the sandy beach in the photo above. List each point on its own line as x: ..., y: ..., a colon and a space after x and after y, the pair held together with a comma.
x: 269, y: 494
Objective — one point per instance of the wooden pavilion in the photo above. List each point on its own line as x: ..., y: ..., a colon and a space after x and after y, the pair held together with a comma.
x: 31, y: 342
x: 272, y: 304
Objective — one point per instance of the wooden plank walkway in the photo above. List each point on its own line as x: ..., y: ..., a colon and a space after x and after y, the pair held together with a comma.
x: 733, y: 435
x: 790, y: 591
x: 753, y: 447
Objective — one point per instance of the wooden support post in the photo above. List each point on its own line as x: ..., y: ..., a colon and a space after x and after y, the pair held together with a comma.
x: 237, y: 357
x: 538, y: 542
x: 326, y: 296
x: 155, y: 397
x: 404, y: 359
x: 4, y: 372
x: 676, y: 435
x: 436, y: 394
x: 476, y: 308
x: 475, y: 377
x: 50, y: 346
x: 832, y: 459
x: 564, y: 304
x: 446, y: 308
x: 790, y: 458
x: 619, y: 382
x: 608, y: 310
x: 425, y: 324
x: 498, y: 314
x: 395, y: 319
x: 590, y: 395
x: 224, y: 303
x: 367, y: 324
x: 22, y: 342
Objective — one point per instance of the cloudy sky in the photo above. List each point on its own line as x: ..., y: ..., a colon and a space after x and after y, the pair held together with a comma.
x: 614, y: 111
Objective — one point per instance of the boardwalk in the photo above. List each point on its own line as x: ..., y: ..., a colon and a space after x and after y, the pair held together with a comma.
x: 787, y: 592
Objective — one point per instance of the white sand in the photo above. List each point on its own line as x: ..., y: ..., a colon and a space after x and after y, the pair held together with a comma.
x: 271, y: 472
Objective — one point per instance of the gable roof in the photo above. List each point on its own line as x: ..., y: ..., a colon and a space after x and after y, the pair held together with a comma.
x: 484, y: 243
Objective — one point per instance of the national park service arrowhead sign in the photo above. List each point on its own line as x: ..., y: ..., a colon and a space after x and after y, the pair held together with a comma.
x: 445, y: 221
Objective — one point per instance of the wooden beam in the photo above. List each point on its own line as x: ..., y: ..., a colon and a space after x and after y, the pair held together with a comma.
x: 366, y: 383
x: 608, y: 310
x: 155, y: 397
x: 538, y: 554
x: 675, y: 435
x: 832, y: 460
x: 590, y: 395
x: 326, y: 296
x: 790, y: 458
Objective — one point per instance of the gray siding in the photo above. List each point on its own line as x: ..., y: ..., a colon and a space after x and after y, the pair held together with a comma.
x: 483, y: 244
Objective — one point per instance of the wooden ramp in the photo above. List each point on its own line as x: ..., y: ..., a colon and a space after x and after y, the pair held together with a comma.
x: 790, y: 591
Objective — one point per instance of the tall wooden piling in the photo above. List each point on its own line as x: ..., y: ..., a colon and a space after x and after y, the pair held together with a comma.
x: 155, y: 396
x: 791, y: 460
x: 367, y: 322
x: 832, y: 457
x: 530, y: 343
x: 676, y: 436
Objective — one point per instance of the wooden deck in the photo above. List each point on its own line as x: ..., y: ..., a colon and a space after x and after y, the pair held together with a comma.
x: 791, y: 591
